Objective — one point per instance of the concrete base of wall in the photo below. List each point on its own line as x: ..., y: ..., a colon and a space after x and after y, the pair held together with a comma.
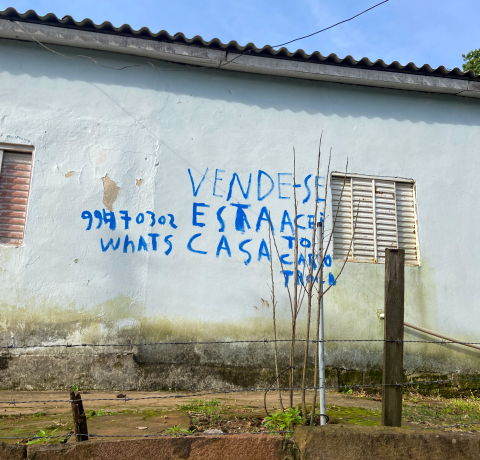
x: 127, y: 371
x: 332, y: 442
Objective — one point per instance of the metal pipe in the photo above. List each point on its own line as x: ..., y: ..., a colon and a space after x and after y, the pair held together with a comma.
x: 436, y: 334
x: 321, y: 354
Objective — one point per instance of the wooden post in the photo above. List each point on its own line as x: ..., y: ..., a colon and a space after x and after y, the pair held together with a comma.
x: 79, y: 417
x: 393, y: 335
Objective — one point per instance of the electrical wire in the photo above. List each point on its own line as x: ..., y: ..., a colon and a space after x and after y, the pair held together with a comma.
x: 331, y: 27
x: 221, y: 63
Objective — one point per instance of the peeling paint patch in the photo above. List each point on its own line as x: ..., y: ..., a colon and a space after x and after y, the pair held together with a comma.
x: 70, y: 174
x: 139, y: 182
x: 110, y: 192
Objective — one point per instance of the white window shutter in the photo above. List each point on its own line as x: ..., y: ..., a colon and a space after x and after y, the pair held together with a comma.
x: 386, y: 218
x: 342, y: 209
x: 407, y: 222
x: 362, y: 202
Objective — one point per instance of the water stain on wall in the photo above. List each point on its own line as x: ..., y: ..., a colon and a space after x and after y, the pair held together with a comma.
x: 110, y: 192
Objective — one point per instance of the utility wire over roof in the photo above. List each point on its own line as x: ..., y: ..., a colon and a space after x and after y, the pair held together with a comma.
x: 125, y: 30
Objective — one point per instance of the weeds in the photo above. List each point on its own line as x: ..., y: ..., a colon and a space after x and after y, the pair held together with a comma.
x: 177, y: 431
x: 283, y: 420
x: 42, y: 437
x: 347, y: 391
x: 201, y: 405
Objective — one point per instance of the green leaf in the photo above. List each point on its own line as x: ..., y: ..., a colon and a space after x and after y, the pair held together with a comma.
x: 472, y: 61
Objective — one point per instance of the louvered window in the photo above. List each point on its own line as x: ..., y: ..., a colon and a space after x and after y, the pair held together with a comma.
x: 386, y: 218
x: 15, y: 176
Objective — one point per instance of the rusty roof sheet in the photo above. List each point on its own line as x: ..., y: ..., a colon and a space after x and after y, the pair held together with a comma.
x: 267, y: 51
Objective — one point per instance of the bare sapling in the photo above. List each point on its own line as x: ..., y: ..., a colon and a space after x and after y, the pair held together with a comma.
x: 320, y: 292
x: 274, y: 305
x: 296, y: 306
x: 305, y: 285
x: 309, y: 285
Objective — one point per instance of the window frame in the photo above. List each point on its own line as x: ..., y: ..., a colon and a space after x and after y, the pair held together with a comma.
x: 349, y: 176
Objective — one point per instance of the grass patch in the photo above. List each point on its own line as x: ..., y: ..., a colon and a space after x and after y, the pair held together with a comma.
x: 354, y: 415
x: 453, y: 412
x: 200, y: 405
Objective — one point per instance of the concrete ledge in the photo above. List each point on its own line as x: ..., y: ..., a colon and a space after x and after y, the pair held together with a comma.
x: 241, y: 447
x: 332, y: 442
x: 12, y: 452
x: 206, y: 57
x: 350, y: 442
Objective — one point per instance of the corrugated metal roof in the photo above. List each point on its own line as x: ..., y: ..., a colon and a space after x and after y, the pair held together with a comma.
x: 267, y: 51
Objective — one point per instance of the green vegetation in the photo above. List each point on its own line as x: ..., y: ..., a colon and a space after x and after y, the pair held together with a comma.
x: 459, y: 410
x: 42, y: 437
x: 201, y: 405
x: 472, y: 61
x: 75, y: 387
x: 346, y: 391
x: 353, y: 415
x: 176, y: 430
x: 279, y: 421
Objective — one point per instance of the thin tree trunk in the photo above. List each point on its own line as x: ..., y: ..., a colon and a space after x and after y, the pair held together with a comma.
x: 310, y: 288
x: 273, y: 311
x: 317, y: 338
x: 295, y: 284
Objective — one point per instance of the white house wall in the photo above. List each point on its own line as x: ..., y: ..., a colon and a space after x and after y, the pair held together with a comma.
x: 145, y: 129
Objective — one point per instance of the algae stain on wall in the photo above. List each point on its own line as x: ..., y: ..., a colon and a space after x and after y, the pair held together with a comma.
x: 42, y: 321
x: 421, y: 296
x: 39, y: 321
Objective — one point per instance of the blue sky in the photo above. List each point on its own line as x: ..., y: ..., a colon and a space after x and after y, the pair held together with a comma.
x: 435, y: 32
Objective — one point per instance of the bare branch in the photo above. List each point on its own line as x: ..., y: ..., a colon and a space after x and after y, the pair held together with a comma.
x: 295, y: 279
x: 273, y: 311
x: 281, y: 263
x: 311, y: 284
x: 338, y: 205
x: 349, y: 249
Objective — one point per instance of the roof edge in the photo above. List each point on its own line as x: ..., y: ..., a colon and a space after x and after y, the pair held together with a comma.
x: 226, y: 59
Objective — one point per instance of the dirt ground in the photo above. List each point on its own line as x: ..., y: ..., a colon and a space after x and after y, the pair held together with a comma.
x: 24, y: 414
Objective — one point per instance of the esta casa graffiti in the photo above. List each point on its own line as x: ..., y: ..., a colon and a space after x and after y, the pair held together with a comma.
x: 241, y: 223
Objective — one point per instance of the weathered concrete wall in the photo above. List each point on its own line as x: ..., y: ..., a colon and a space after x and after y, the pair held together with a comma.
x: 127, y: 140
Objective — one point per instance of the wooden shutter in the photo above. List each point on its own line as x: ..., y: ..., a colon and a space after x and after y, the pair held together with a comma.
x: 386, y: 218
x: 15, y: 176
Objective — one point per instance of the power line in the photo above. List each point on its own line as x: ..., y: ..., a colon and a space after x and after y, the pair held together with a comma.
x: 221, y: 64
x: 331, y: 27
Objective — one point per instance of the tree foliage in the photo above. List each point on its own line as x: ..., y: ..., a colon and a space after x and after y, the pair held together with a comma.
x: 472, y: 61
